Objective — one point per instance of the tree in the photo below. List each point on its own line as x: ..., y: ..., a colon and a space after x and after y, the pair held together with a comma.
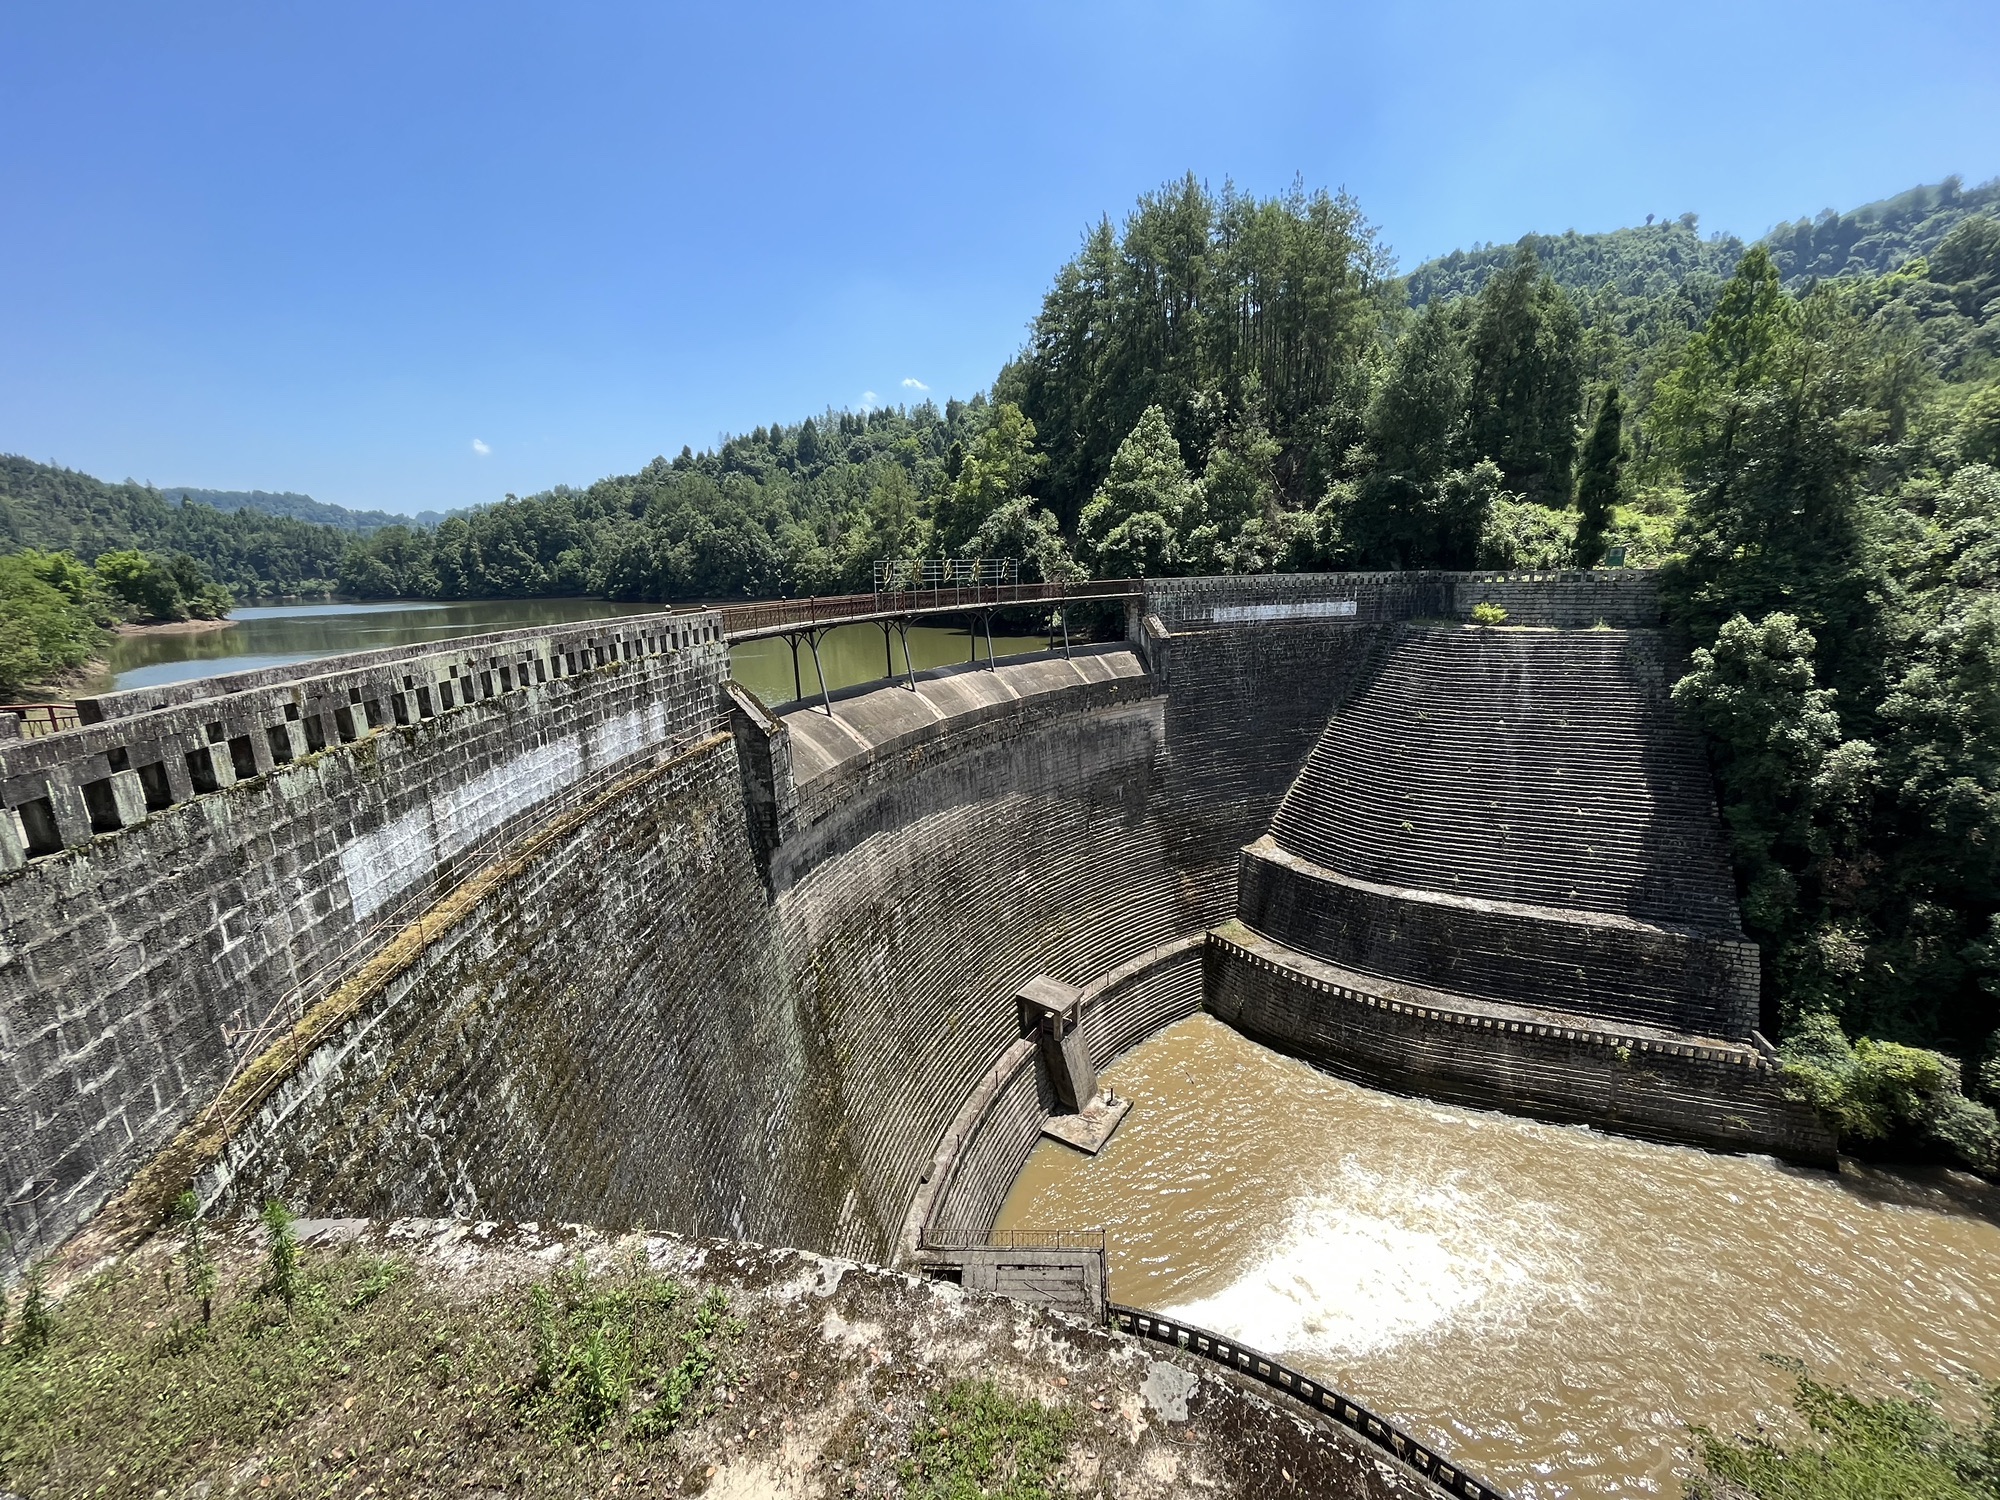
x: 144, y: 584
x: 1132, y: 527
x: 996, y: 469
x: 1526, y: 380
x: 1597, y: 482
x: 1758, y: 416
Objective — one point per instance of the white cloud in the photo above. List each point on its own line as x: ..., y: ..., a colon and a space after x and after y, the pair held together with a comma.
x: 480, y: 447
x: 869, y: 400
x: 911, y: 383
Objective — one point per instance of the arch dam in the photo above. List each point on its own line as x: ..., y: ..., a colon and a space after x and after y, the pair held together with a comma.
x: 564, y: 925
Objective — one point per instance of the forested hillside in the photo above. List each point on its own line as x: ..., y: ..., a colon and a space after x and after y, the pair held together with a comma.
x: 59, y: 510
x: 297, y: 507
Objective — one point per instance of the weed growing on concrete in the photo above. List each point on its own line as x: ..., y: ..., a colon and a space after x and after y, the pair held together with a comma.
x: 1488, y: 614
x: 380, y: 1276
x: 977, y: 1442
x: 282, y: 1278
x: 612, y: 1355
x: 197, y: 1259
x: 38, y: 1323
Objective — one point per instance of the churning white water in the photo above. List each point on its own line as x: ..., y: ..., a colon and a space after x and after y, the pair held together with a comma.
x: 1554, y: 1306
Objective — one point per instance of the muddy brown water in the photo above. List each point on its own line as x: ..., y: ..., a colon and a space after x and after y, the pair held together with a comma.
x: 1553, y: 1306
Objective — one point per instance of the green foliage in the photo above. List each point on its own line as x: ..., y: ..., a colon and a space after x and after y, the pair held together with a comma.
x: 197, y: 1257
x: 295, y: 507
x: 1137, y: 523
x: 155, y: 589
x: 247, y: 553
x: 283, y: 1278
x: 1599, y: 478
x: 979, y: 1444
x: 618, y: 1358
x: 1643, y: 262
x: 52, y: 610
x: 1488, y: 614
x: 1201, y: 302
x: 1880, y: 237
x: 1874, y: 1091
x: 1857, y: 1448
x: 1524, y: 534
x: 1526, y: 380
x: 995, y: 471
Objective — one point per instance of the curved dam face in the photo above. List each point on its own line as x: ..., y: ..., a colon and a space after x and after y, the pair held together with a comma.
x: 561, y: 925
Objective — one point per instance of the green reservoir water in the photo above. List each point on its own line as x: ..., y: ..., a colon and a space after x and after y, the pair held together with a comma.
x: 275, y: 635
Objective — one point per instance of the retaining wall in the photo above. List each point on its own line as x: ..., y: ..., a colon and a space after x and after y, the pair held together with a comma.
x: 1634, y: 1080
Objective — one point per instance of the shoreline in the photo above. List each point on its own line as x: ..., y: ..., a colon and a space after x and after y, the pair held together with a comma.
x: 173, y: 627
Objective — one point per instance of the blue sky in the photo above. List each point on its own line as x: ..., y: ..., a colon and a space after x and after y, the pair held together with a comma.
x: 331, y: 248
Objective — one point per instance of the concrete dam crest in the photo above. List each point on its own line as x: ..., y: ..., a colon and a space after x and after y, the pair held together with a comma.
x: 564, y: 925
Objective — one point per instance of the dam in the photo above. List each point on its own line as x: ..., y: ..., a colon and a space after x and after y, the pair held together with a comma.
x: 564, y: 925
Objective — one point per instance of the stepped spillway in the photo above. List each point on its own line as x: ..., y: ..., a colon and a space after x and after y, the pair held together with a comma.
x: 1516, y: 816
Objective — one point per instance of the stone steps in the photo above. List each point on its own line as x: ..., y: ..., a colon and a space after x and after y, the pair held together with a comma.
x: 1537, y: 766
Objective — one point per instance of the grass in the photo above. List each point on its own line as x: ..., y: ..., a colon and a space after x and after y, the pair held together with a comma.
x: 362, y: 1380
x: 979, y: 1444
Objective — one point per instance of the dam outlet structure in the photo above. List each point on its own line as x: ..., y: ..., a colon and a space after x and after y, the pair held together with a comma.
x: 564, y: 925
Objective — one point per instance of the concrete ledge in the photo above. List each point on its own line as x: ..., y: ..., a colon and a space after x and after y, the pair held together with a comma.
x: 1588, y: 963
x: 1636, y: 1081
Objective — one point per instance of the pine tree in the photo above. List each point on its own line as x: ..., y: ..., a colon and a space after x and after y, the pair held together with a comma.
x: 1598, y: 478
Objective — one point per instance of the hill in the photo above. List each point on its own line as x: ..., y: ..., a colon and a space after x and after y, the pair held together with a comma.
x: 60, y: 510
x: 1648, y: 261
x: 297, y: 508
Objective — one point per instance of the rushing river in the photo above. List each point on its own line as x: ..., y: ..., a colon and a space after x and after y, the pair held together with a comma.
x: 274, y: 635
x: 1552, y: 1305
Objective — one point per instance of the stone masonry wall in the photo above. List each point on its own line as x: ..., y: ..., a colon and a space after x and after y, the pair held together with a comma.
x: 1554, y: 1067
x: 175, y: 881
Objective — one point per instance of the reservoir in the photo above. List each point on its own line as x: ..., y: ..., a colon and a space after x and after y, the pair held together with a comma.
x: 273, y: 635
x: 1553, y: 1306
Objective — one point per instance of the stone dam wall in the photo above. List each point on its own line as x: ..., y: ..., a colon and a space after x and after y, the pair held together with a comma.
x: 728, y: 970
x: 178, y: 884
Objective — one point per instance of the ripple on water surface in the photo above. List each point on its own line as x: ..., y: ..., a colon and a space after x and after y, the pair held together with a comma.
x: 1553, y: 1305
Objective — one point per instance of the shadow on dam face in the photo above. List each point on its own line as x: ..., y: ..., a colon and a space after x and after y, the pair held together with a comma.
x: 741, y: 976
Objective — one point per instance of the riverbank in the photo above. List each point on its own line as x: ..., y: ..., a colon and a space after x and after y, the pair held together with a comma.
x: 426, y: 1358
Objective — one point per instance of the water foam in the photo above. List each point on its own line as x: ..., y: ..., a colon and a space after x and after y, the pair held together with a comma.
x: 1365, y: 1265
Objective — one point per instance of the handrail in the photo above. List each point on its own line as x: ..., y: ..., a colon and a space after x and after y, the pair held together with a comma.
x: 741, y: 622
x: 36, y: 719
x: 1259, y: 1366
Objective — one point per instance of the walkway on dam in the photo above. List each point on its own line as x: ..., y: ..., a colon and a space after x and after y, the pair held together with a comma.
x: 781, y: 617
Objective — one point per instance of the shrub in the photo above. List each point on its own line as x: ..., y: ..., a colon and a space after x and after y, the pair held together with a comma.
x: 979, y: 1442
x: 1873, y: 1091
x: 1488, y: 614
x: 37, y: 1328
x: 197, y: 1259
x: 1855, y: 1447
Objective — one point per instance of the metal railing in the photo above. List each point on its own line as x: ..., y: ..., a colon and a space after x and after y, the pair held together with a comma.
x: 1049, y: 1239
x: 34, y: 719
x: 1351, y: 1414
x: 896, y: 573
x: 743, y: 622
